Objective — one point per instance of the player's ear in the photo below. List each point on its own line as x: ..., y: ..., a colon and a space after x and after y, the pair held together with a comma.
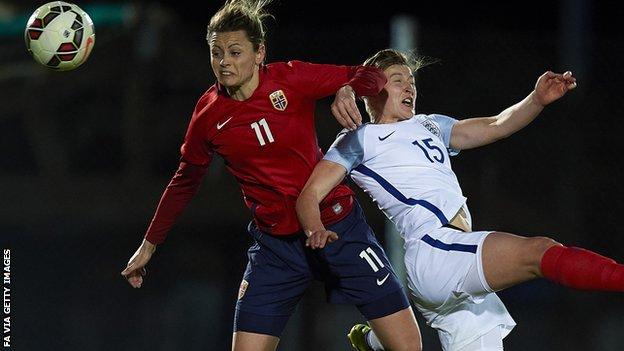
x: 260, y: 54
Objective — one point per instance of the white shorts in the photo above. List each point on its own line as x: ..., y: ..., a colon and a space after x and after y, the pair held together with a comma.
x: 445, y: 276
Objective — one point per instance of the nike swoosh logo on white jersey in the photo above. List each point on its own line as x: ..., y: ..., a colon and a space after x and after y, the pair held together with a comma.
x: 386, y: 137
x: 220, y: 125
x: 380, y: 282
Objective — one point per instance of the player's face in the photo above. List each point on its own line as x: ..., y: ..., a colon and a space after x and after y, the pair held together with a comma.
x: 233, y: 59
x: 401, y: 93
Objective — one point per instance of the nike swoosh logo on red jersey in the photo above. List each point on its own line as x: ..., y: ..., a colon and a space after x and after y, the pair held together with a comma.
x: 386, y: 137
x: 220, y: 125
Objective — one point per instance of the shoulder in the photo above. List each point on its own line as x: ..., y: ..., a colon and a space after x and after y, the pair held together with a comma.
x: 354, y: 134
x: 283, y: 67
x: 435, y: 123
x: 206, y: 104
x: 294, y: 66
x: 351, y: 138
x: 429, y: 122
x: 208, y: 98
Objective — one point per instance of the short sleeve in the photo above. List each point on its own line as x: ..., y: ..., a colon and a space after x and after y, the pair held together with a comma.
x: 446, y: 124
x: 348, y: 149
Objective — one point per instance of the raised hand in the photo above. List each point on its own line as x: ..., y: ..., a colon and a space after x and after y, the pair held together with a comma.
x: 551, y: 86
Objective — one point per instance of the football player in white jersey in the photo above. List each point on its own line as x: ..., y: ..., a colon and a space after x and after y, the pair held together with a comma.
x: 402, y: 161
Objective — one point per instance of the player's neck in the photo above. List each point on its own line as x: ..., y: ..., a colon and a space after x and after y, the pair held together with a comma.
x: 391, y: 118
x: 245, y: 90
x: 385, y: 119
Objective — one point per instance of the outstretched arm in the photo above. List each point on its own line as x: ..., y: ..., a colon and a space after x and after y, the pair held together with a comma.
x: 324, y: 178
x: 474, y: 132
x: 346, y: 82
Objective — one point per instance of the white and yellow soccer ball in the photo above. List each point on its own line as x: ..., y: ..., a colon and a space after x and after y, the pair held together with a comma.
x: 60, y: 35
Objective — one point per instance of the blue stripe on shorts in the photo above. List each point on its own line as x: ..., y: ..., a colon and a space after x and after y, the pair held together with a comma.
x: 448, y: 247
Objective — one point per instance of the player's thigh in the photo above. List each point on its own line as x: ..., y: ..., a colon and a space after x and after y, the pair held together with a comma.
x: 445, y: 276
x: 443, y: 266
x: 510, y: 259
x: 276, y: 277
x: 356, y: 270
x: 491, y: 341
x: 245, y: 341
x: 398, y: 331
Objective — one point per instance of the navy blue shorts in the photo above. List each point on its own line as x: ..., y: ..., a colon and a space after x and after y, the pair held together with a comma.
x: 354, y: 268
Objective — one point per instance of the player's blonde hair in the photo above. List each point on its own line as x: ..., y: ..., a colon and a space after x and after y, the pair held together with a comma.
x: 247, y: 15
x: 385, y: 58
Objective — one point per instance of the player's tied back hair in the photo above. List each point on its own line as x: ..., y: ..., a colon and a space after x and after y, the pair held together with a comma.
x: 247, y: 15
x: 388, y: 57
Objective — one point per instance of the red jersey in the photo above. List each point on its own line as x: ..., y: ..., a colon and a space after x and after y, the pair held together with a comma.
x: 268, y: 143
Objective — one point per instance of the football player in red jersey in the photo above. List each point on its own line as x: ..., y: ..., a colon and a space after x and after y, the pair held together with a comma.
x: 260, y: 119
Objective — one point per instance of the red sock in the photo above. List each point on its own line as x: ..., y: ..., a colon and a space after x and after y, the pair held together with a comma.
x: 582, y: 269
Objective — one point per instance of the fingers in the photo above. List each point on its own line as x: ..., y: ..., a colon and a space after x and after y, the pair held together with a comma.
x: 314, y: 240
x: 134, y: 275
x: 345, y: 110
x: 332, y: 237
x: 353, y: 112
x: 128, y: 270
x: 319, y: 239
x: 549, y: 74
x: 569, y: 80
x: 552, y: 86
x: 341, y: 114
x: 565, y: 77
x: 136, y: 280
x: 345, y: 123
x: 564, y: 81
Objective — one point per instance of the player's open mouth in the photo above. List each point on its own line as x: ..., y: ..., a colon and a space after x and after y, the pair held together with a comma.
x: 226, y: 73
x: 407, y: 102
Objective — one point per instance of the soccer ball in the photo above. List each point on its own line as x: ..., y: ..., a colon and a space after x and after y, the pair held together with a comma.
x: 59, y: 35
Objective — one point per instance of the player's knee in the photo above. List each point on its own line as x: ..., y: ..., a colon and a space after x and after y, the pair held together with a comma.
x: 537, y: 247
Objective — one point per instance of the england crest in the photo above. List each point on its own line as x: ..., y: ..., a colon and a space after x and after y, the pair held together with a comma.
x: 278, y: 99
x: 432, y: 127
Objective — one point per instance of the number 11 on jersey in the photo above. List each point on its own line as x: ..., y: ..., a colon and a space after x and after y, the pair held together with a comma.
x: 265, y: 126
x: 371, y: 257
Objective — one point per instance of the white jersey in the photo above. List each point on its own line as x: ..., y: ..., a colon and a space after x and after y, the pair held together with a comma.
x: 405, y: 167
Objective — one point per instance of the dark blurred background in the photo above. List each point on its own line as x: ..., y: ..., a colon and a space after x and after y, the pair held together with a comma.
x: 87, y: 153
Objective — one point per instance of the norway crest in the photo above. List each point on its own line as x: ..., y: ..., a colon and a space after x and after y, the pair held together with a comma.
x: 278, y: 99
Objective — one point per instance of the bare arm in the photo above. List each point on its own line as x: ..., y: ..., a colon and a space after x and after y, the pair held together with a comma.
x: 474, y: 132
x: 324, y: 178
